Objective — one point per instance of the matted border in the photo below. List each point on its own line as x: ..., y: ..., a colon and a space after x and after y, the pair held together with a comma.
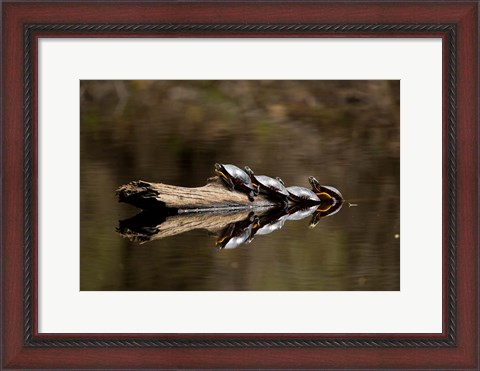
x: 23, y: 347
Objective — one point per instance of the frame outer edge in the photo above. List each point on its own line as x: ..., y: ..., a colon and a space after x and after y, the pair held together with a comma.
x: 29, y: 339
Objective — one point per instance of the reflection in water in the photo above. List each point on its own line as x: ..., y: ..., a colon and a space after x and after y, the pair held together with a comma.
x: 230, y: 230
x: 322, y: 212
x: 237, y: 234
x: 345, y: 133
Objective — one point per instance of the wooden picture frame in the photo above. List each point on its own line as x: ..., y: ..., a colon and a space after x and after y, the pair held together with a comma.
x: 455, y: 22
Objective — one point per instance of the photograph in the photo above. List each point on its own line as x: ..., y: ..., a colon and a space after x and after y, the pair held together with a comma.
x: 239, y: 185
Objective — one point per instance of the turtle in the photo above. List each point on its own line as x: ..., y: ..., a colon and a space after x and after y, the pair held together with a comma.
x: 273, y: 187
x: 302, y: 194
x: 325, y: 193
x: 235, y: 177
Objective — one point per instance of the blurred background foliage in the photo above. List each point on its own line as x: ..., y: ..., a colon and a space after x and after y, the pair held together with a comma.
x: 345, y: 133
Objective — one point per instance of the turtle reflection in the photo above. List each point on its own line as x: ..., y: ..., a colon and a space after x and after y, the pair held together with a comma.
x: 239, y: 233
x: 243, y: 232
x: 272, y: 222
x: 324, y: 211
x: 299, y: 212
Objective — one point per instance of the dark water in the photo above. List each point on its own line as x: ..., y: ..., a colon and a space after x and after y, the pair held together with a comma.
x: 345, y: 133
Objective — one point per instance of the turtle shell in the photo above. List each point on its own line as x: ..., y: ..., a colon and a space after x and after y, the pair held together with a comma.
x: 238, y: 177
x: 302, y: 194
x: 270, y: 185
x: 333, y: 192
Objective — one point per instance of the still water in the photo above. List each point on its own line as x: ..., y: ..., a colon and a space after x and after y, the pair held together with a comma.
x: 345, y: 133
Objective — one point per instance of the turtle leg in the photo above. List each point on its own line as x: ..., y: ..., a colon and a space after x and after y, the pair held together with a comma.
x: 231, y: 186
x: 228, y: 182
x: 251, y: 196
x: 255, y: 226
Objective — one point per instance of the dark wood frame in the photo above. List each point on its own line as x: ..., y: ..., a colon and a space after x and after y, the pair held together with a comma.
x: 455, y: 22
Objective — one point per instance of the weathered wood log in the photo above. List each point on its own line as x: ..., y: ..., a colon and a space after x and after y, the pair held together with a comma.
x: 213, y: 196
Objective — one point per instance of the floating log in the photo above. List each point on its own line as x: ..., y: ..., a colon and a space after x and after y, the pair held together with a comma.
x: 214, y: 196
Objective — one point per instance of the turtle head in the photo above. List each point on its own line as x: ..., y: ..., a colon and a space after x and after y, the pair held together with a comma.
x: 248, y: 171
x: 314, y: 182
x: 219, y: 170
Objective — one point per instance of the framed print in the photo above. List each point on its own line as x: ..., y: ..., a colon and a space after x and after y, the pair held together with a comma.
x: 304, y: 177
